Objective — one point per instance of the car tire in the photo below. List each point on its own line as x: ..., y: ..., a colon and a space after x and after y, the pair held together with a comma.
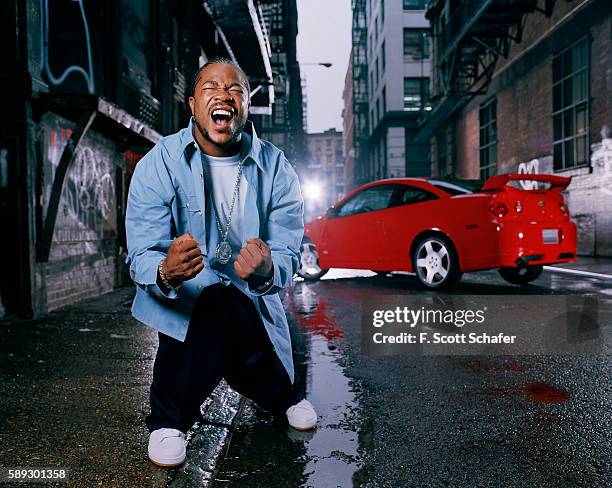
x: 436, y: 263
x: 309, y: 262
x: 521, y: 275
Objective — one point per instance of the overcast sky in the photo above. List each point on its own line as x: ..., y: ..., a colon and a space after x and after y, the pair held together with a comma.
x: 324, y: 36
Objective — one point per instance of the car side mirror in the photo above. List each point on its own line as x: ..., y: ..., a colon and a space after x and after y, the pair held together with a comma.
x: 332, y: 212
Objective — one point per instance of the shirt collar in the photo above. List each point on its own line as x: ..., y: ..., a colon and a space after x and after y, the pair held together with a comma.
x: 251, y: 144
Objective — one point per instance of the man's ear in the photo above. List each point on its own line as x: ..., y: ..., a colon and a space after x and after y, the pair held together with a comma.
x: 192, y: 105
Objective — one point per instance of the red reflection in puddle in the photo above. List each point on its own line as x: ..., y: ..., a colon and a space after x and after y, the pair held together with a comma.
x: 541, y: 392
x: 315, y: 317
x: 537, y: 392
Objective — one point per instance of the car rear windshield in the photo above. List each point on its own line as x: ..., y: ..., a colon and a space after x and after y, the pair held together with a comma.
x: 458, y: 187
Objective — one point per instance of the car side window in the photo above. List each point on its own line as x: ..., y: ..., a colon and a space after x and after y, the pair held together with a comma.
x: 407, y: 195
x: 368, y: 200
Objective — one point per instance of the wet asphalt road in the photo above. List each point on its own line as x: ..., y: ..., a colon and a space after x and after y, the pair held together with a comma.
x: 405, y: 421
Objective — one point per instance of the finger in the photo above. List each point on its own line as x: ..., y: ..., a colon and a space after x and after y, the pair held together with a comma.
x: 253, y: 250
x: 188, y: 244
x: 239, y: 270
x: 252, y: 257
x: 193, y: 253
x: 244, y: 264
x: 261, y: 245
x: 196, y: 270
x: 195, y: 261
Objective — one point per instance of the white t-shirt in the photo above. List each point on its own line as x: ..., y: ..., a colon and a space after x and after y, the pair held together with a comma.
x: 220, y: 175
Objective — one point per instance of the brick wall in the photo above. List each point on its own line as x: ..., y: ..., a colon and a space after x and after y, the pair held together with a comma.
x: 522, y: 86
x: 83, y: 258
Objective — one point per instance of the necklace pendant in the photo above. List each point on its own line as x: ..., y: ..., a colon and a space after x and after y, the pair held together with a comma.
x: 224, y: 252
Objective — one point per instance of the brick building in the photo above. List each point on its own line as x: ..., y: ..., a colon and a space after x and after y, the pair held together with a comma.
x: 532, y: 94
x: 87, y: 88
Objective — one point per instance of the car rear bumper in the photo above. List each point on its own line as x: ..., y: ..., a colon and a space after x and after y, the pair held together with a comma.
x: 534, y: 244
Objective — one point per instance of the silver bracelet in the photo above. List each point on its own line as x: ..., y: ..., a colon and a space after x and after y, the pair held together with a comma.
x: 162, y: 275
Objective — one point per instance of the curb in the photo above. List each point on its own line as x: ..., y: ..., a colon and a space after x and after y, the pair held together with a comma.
x: 207, y: 439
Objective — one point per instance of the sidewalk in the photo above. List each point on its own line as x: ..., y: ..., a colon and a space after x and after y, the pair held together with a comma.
x: 597, y: 267
x: 74, y: 395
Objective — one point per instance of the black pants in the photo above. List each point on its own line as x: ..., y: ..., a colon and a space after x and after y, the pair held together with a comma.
x: 226, y: 339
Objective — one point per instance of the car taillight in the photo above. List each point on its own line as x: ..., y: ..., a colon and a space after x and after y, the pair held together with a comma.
x: 499, y: 209
x: 564, y: 210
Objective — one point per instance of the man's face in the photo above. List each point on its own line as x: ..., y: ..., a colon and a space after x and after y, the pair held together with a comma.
x: 220, y: 104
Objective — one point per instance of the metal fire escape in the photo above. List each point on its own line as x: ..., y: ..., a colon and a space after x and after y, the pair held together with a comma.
x: 360, y: 91
x: 470, y: 36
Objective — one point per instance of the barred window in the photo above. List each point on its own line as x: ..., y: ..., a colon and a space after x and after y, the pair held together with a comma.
x: 571, y: 106
x: 488, y: 139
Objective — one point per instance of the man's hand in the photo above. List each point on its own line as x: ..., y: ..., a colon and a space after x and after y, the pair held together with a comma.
x: 254, y: 259
x: 184, y: 260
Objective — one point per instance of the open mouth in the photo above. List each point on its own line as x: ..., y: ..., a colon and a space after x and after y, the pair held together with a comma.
x: 222, y: 118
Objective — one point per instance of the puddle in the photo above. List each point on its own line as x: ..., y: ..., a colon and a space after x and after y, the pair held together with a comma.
x: 262, y: 453
x: 332, y: 451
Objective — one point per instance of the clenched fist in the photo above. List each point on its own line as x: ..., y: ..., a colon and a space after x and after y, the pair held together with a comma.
x: 184, y: 260
x: 254, y: 260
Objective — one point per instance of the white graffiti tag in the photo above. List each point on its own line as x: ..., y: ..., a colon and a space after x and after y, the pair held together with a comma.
x: 90, y: 188
x: 530, y: 168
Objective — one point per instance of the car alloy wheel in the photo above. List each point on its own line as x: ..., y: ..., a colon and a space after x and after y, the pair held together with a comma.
x: 435, y: 263
x: 309, y: 262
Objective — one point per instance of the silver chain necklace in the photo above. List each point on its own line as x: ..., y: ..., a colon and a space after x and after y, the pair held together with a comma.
x: 223, y: 251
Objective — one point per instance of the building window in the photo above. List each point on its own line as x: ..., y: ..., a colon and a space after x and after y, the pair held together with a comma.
x: 416, y: 94
x: 414, y: 4
x: 416, y: 44
x: 488, y: 139
x: 278, y: 111
x: 571, y: 106
x: 384, y: 99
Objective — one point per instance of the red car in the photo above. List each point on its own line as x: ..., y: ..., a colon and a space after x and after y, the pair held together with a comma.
x: 440, y: 229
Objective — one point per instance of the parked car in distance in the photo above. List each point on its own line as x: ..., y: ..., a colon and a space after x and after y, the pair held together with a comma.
x: 441, y: 229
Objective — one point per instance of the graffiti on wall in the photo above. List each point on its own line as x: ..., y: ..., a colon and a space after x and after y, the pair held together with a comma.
x: 61, y: 58
x: 88, y: 196
x: 530, y: 168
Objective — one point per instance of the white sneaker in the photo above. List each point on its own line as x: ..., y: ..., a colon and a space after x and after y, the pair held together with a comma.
x: 167, y: 447
x: 302, y: 416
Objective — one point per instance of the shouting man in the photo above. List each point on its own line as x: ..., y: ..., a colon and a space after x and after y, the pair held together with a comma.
x: 214, y: 225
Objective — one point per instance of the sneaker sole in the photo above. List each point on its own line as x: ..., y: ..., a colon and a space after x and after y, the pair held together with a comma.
x: 170, y: 463
x: 305, y: 428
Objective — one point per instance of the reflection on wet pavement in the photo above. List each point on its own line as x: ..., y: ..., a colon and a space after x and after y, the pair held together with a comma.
x: 328, y: 456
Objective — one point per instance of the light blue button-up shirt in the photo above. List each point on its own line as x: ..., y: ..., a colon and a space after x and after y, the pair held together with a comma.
x: 166, y: 199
